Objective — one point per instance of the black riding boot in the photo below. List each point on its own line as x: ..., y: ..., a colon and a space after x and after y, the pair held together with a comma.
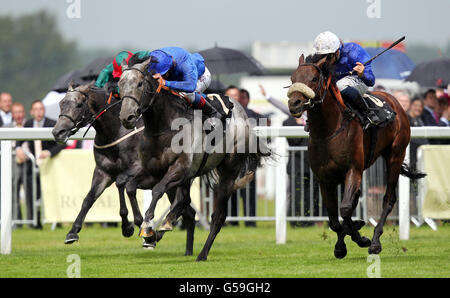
x: 355, y: 100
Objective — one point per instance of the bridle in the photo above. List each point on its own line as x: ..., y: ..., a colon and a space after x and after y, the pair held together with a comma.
x: 140, y: 102
x: 86, y: 118
x: 322, y: 83
x: 77, y: 124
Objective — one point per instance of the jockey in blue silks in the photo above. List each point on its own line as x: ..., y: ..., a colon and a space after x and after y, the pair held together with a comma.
x: 186, y: 73
x: 346, y: 58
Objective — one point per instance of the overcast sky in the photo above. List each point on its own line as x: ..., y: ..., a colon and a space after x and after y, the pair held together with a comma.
x: 198, y: 24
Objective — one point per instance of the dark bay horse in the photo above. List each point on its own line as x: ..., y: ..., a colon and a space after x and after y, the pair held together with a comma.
x: 142, y: 97
x: 339, y: 150
x: 116, y: 161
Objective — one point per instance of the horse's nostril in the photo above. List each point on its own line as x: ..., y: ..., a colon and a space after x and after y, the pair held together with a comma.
x: 61, y: 132
x: 131, y: 117
x: 138, y: 111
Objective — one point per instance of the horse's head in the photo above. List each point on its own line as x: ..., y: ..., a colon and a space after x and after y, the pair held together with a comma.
x: 74, y: 114
x: 134, y: 84
x: 308, y: 88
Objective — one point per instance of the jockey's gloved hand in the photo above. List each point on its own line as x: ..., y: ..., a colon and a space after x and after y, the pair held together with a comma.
x: 160, y: 79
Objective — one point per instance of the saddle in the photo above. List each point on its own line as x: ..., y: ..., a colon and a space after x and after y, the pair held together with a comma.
x: 379, y: 106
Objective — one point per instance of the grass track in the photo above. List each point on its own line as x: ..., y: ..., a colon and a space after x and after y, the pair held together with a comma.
x: 237, y: 252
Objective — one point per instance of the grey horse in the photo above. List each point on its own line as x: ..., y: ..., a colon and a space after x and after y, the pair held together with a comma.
x: 237, y: 151
x: 116, y: 156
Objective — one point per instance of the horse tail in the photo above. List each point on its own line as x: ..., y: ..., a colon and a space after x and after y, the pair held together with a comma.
x: 252, y: 162
x: 411, y: 174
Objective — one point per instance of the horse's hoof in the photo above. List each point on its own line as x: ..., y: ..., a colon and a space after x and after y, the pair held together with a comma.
x: 148, y: 244
x: 128, y: 231
x: 375, y: 249
x: 201, y: 258
x: 166, y: 226
x: 146, y: 232
x: 364, y: 242
x: 340, y: 253
x: 71, y: 238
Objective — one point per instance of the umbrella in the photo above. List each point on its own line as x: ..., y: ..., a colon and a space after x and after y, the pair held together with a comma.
x: 92, y: 70
x: 391, y: 65
x: 227, y: 61
x: 215, y: 87
x: 63, y: 82
x: 434, y: 73
x: 51, y: 103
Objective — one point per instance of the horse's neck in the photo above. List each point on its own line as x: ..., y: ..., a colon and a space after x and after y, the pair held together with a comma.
x: 159, y: 117
x: 107, y: 125
x: 325, y: 118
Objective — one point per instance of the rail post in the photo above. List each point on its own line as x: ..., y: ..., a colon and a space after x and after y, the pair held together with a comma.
x: 6, y: 197
x: 280, y: 190
x: 403, y: 203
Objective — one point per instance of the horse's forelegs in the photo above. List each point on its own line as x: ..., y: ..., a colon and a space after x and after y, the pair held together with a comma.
x: 100, y: 181
x: 329, y: 194
x: 127, y: 227
x: 182, y: 201
x: 348, y: 205
x: 393, y: 166
x: 173, y: 178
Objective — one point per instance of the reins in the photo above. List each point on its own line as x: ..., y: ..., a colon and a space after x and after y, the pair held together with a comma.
x: 337, y: 96
x: 325, y: 87
x: 160, y: 87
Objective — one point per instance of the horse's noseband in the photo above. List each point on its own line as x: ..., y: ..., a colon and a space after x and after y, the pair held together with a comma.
x: 311, y: 102
x: 140, y: 102
x: 77, y: 124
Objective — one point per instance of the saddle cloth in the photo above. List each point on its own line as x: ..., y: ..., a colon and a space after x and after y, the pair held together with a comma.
x: 379, y: 106
x: 221, y: 103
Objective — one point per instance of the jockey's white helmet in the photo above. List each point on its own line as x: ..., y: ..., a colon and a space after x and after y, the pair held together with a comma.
x: 326, y: 43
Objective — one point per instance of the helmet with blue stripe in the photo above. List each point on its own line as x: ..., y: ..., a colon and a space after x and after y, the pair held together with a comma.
x: 160, y: 62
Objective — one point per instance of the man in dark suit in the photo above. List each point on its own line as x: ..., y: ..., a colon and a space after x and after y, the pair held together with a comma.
x: 40, y: 150
x: 429, y: 116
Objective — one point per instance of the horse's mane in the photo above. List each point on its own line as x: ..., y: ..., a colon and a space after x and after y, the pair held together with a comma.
x: 135, y: 59
x: 98, y: 97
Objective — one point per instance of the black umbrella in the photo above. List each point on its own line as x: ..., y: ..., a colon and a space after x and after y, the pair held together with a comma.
x: 63, y: 82
x: 433, y: 73
x: 227, y: 61
x: 215, y: 87
x: 92, y: 70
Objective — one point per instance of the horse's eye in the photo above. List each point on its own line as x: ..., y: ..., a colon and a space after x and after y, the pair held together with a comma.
x: 315, y: 79
x: 140, y: 84
x: 79, y: 106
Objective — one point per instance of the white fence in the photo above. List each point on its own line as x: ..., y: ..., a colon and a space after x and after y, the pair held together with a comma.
x: 279, y: 133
